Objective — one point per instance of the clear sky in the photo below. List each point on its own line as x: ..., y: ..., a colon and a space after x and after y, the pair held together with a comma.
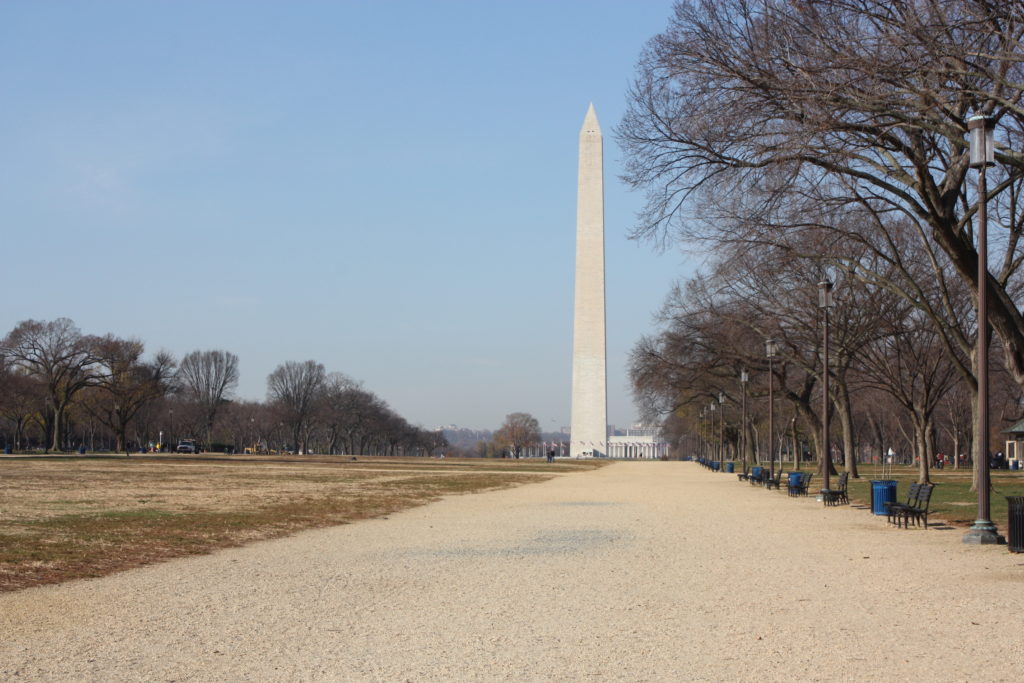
x: 388, y: 188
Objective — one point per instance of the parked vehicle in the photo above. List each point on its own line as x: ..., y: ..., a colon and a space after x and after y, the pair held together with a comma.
x: 187, y: 446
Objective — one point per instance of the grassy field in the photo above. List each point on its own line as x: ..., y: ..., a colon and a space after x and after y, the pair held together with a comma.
x: 952, y: 501
x: 64, y: 518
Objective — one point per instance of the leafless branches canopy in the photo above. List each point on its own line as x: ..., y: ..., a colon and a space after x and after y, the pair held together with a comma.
x: 208, y: 378
x: 519, y: 431
x: 832, y: 134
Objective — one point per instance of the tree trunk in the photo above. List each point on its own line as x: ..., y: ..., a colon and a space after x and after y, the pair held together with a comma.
x: 58, y: 413
x: 845, y: 414
x: 921, y: 443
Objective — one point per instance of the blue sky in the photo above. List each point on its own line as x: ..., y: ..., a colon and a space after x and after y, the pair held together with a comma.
x: 385, y: 187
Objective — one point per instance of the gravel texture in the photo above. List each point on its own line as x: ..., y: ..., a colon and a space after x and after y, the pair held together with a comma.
x: 656, y: 571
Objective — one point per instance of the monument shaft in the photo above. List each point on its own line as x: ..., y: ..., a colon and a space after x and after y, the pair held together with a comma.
x: 589, y: 373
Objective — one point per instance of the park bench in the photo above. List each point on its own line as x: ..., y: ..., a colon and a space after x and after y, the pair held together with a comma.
x: 799, y: 487
x: 918, y: 511
x: 837, y: 495
x: 771, y: 483
x: 745, y: 474
x: 893, y: 510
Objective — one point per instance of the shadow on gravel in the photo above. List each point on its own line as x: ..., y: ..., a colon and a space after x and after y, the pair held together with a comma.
x: 563, y: 542
x: 585, y: 503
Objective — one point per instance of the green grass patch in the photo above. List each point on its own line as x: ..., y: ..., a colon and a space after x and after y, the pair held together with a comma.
x: 952, y: 500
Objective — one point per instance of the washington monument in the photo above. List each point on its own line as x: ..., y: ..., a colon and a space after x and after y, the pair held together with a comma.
x: 589, y: 395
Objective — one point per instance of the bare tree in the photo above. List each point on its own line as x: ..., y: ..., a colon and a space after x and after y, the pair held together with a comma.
x: 61, y: 358
x: 208, y: 378
x: 21, y: 396
x: 332, y: 410
x: 846, y: 119
x: 909, y: 364
x: 126, y: 383
x: 519, y: 431
x: 295, y: 388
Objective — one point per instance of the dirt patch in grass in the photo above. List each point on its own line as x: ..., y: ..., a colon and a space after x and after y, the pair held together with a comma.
x: 69, y: 518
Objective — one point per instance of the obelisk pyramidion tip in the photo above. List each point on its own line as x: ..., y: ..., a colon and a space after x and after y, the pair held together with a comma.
x: 590, y: 124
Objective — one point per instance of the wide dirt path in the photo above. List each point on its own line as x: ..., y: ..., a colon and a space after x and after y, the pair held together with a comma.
x: 638, y: 571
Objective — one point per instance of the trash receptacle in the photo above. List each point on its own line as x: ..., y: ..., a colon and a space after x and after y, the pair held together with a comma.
x: 1015, y: 512
x: 755, y: 472
x: 794, y: 479
x: 7, y: 450
x: 882, y: 491
x: 730, y: 467
x: 715, y: 465
x: 1015, y: 464
x: 81, y: 450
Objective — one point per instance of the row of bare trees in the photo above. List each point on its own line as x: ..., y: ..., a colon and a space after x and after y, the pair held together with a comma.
x: 62, y: 390
x: 802, y: 141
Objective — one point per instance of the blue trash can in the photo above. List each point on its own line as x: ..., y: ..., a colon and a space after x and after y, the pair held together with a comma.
x: 7, y: 450
x: 755, y: 472
x: 882, y: 491
x: 715, y: 465
x: 730, y: 467
x: 794, y: 479
x: 1015, y: 464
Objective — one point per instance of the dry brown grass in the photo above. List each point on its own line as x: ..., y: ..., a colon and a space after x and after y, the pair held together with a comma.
x: 68, y: 518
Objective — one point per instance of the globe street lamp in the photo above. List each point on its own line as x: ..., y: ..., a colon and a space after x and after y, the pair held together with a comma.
x: 825, y: 303
x: 982, y: 155
x: 771, y: 348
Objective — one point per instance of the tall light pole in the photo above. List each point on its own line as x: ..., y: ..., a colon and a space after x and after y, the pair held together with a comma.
x: 721, y: 430
x: 771, y: 348
x: 744, y: 378
x: 700, y: 434
x: 982, y: 155
x: 711, y: 443
x: 825, y: 303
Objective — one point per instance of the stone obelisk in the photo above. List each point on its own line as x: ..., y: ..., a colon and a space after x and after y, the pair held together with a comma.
x: 589, y: 434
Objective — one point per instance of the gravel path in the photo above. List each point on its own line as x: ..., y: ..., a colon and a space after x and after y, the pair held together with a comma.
x: 638, y: 571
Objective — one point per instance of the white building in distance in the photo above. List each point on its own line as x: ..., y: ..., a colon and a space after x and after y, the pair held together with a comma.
x: 640, y: 442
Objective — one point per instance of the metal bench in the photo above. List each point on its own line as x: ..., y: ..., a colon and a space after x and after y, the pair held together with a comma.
x: 838, y: 495
x: 918, y: 510
x: 894, y: 510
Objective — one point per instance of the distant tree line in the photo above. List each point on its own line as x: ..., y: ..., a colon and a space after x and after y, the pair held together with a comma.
x: 61, y: 391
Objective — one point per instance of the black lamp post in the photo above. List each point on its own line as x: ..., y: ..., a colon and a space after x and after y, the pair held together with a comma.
x: 982, y: 155
x: 721, y: 431
x: 700, y: 433
x: 771, y: 348
x: 825, y: 303
x: 711, y: 443
x: 744, y: 378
